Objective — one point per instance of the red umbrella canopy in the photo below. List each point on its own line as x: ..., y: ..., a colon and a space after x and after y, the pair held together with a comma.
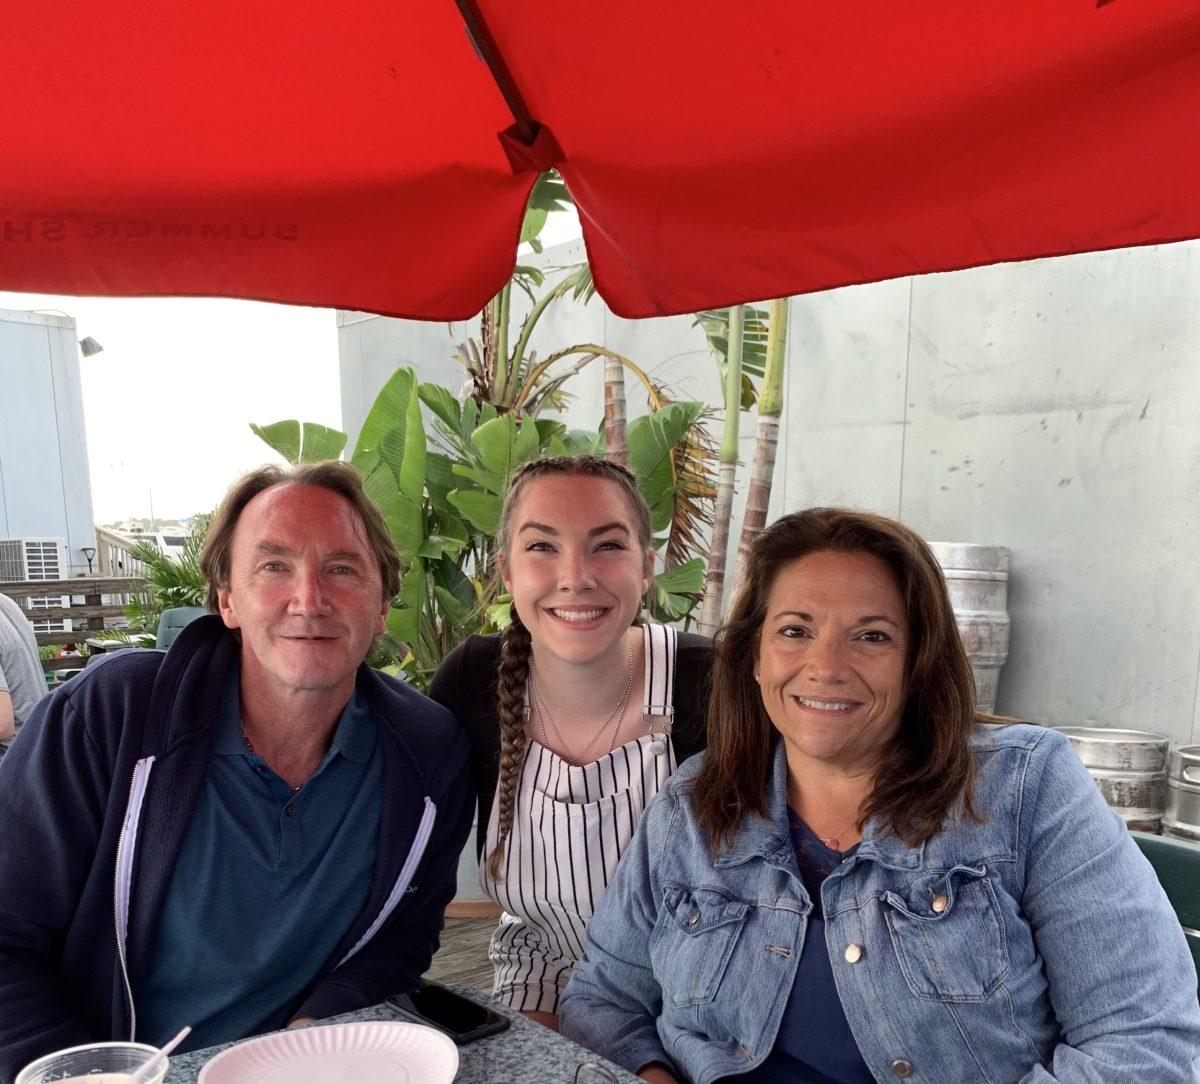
x: 350, y: 155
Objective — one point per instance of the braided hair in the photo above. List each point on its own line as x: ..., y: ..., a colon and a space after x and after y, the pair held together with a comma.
x: 516, y: 648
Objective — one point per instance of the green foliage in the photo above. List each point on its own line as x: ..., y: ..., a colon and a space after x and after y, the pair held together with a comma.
x: 755, y: 326
x: 307, y: 443
x: 169, y: 582
x: 549, y: 194
x: 513, y: 379
x: 652, y: 438
x: 674, y: 593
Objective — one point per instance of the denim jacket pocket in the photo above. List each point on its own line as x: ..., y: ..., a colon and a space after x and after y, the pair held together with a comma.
x: 948, y: 935
x: 693, y: 941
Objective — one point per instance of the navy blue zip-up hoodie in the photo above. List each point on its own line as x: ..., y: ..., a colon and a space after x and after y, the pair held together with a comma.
x: 96, y: 795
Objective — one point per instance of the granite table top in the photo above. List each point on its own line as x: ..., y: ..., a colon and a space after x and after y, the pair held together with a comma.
x: 525, y: 1053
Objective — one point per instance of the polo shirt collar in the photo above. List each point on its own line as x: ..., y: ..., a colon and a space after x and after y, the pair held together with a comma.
x: 353, y: 738
x: 355, y: 735
x: 228, y: 739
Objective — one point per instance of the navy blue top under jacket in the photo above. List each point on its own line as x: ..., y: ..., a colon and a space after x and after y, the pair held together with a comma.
x: 815, y: 1044
x: 96, y: 796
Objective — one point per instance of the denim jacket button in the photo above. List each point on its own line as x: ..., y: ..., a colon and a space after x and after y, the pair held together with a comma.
x: 694, y: 919
x: 902, y: 1068
x: 940, y: 903
x: 853, y: 953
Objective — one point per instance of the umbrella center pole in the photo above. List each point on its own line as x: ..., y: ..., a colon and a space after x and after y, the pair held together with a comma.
x: 528, y: 144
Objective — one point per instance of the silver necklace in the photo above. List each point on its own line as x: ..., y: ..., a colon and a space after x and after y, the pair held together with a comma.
x: 541, y: 713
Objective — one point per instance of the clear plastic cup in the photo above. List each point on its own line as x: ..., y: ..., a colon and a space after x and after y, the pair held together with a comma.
x: 96, y: 1063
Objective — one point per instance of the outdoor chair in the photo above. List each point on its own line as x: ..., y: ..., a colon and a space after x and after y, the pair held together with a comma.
x: 1177, y: 863
x: 172, y: 621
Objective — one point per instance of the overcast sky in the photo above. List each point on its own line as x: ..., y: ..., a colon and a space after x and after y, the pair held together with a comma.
x: 169, y: 401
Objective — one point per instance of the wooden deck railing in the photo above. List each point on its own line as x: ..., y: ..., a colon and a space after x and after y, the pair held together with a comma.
x: 92, y: 611
x: 114, y: 555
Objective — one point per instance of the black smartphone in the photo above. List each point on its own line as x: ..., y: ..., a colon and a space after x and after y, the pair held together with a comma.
x: 459, y: 1017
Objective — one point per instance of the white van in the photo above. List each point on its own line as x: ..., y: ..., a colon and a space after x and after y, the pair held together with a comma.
x: 170, y: 544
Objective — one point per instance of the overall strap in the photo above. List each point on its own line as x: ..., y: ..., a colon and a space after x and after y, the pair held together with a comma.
x: 658, y: 708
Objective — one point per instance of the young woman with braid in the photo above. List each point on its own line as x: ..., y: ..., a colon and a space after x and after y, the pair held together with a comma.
x: 577, y: 715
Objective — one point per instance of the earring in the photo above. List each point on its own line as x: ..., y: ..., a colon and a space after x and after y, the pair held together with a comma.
x: 756, y: 677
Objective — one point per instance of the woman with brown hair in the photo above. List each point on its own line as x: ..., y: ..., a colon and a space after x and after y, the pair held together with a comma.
x: 863, y: 878
x: 577, y: 714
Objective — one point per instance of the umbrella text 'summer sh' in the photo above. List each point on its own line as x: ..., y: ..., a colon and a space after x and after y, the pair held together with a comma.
x: 376, y: 156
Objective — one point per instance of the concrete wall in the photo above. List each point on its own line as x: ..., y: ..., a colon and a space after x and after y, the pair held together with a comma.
x: 45, y: 489
x: 1048, y: 406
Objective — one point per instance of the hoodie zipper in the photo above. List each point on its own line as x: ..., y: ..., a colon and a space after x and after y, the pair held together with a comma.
x: 122, y: 876
x: 415, y: 854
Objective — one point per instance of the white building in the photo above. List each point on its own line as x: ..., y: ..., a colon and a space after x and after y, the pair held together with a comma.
x: 45, y: 488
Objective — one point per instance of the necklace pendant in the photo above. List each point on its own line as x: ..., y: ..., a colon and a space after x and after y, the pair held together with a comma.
x: 833, y: 843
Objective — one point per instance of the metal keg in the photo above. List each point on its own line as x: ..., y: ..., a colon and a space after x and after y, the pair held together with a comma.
x: 977, y: 580
x: 1129, y: 767
x: 1182, y: 818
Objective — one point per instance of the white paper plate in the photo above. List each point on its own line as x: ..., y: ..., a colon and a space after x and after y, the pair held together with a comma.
x: 370, y: 1052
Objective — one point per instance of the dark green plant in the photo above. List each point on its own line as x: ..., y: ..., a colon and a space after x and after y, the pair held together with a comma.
x: 170, y: 581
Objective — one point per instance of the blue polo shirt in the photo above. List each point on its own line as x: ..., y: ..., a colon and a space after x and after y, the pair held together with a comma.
x: 265, y: 886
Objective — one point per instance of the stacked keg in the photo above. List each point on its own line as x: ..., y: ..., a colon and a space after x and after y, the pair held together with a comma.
x: 1182, y: 818
x: 1129, y: 767
x: 977, y: 580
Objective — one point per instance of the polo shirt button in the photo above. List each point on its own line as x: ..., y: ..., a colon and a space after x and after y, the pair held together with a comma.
x: 902, y: 1068
x: 853, y: 953
x: 290, y: 811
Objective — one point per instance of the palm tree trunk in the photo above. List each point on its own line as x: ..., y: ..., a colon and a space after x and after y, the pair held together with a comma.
x: 488, y: 325
x: 714, y: 576
x: 770, y: 406
x: 502, y: 396
x: 616, y: 448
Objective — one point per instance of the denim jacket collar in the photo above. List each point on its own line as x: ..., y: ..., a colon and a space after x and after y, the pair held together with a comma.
x: 769, y: 839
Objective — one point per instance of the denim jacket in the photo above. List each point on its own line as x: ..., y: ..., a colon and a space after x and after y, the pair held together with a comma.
x: 1035, y: 947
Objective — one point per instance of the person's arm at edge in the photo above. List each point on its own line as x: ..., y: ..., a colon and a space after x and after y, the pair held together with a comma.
x: 1140, y: 1019
x: 394, y: 960
x: 613, y: 1000
x: 8, y: 718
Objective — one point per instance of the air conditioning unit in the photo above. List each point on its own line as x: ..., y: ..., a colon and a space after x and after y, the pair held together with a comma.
x: 32, y: 559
